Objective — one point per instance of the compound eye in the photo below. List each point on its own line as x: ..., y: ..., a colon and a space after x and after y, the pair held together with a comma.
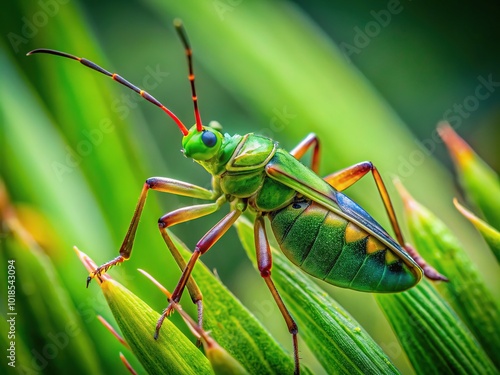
x: 208, y: 138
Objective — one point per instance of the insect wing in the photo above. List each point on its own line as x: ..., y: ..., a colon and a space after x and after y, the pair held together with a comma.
x: 364, y: 220
x: 292, y: 173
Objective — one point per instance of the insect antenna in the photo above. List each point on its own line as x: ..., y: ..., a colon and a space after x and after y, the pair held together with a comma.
x: 189, y: 53
x: 118, y: 79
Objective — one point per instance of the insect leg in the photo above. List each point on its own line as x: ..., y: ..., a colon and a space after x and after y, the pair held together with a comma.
x: 341, y: 180
x: 310, y: 141
x: 179, y: 216
x: 208, y: 240
x: 265, y: 262
x: 165, y: 185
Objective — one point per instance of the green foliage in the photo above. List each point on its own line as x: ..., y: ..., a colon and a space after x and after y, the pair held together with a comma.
x: 432, y: 334
x: 479, y: 181
x: 77, y: 148
x: 490, y: 234
x: 467, y: 292
x: 39, y: 298
x: 235, y: 329
x: 337, y: 340
x: 172, y: 353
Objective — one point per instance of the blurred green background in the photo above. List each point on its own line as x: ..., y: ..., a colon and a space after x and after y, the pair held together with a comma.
x: 372, y: 79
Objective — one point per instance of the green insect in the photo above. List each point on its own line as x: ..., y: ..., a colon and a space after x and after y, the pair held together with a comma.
x: 318, y: 228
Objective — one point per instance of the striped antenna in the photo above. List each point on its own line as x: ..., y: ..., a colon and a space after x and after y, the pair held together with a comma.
x: 116, y: 78
x: 189, y: 53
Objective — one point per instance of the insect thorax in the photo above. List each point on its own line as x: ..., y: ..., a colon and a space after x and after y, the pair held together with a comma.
x: 245, y: 175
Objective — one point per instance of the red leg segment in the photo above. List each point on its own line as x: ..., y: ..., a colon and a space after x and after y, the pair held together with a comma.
x: 208, y: 240
x: 165, y: 185
x: 310, y: 141
x: 347, y: 177
x: 265, y: 263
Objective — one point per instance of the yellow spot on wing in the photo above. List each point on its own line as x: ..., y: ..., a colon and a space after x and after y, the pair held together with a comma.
x: 354, y: 233
x: 373, y: 245
x: 390, y: 257
x: 334, y: 220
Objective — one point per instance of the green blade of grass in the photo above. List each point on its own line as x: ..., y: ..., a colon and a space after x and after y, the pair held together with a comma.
x: 45, y: 319
x: 337, y: 340
x: 222, y: 362
x: 490, y: 234
x: 229, y: 323
x: 171, y: 353
x: 466, y: 291
x: 434, y: 338
x: 17, y: 354
x: 480, y: 182
x: 235, y: 328
x: 29, y: 175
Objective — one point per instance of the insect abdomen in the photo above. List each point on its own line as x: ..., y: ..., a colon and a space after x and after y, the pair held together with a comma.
x: 329, y: 247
